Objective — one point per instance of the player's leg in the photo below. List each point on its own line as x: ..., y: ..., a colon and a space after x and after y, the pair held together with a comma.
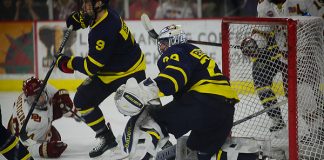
x: 196, y: 113
x: 86, y: 100
x: 10, y: 146
x: 263, y: 74
x: 208, y: 139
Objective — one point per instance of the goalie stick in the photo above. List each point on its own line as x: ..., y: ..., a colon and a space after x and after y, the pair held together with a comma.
x: 23, y: 133
x: 171, y: 151
x: 146, y: 22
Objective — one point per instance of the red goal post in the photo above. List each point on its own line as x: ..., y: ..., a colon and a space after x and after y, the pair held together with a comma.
x: 296, y: 43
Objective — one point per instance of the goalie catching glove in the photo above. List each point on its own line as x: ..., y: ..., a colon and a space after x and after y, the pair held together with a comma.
x: 131, y: 97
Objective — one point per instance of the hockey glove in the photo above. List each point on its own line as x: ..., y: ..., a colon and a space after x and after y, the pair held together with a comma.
x: 77, y: 20
x: 132, y: 97
x: 64, y: 63
x: 52, y: 149
x: 62, y: 103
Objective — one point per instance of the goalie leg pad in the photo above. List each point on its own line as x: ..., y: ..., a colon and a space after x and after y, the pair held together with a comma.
x: 143, y: 137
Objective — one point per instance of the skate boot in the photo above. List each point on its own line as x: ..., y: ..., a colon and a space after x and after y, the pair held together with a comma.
x: 277, y: 124
x: 106, y: 140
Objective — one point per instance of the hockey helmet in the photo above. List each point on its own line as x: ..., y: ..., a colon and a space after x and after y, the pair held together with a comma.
x: 89, y: 15
x: 169, y: 36
x: 31, y: 87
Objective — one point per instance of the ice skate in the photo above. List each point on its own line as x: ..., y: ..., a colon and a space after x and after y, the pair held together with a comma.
x: 106, y: 141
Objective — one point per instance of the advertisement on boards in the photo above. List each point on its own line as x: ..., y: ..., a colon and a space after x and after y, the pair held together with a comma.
x: 49, y: 37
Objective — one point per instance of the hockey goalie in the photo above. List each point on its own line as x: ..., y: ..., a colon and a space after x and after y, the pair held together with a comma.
x: 44, y: 139
x: 144, y: 139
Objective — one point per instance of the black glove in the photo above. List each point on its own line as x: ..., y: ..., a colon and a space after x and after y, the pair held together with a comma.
x: 62, y: 61
x: 77, y: 20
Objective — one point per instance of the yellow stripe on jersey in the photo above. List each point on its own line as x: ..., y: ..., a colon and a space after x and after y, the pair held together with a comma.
x: 263, y: 88
x: 176, y: 86
x: 140, y: 65
x: 95, y: 62
x: 101, y: 19
x: 12, y: 145
x: 85, y: 65
x: 26, y: 157
x: 264, y: 101
x: 276, y: 57
x: 96, y: 121
x: 69, y: 64
x: 219, y: 154
x: 161, y: 94
x: 156, y: 135
x: 83, y: 112
x: 180, y: 70
x: 215, y: 87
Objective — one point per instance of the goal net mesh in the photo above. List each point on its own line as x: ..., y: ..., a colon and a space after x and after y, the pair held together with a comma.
x: 268, y: 65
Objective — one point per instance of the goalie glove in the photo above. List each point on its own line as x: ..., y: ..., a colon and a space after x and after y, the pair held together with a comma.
x: 131, y: 97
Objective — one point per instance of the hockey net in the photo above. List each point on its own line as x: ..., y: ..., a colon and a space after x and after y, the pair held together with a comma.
x: 273, y: 60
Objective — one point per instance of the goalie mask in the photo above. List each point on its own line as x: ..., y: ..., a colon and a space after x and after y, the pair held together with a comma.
x: 31, y: 87
x: 90, y: 9
x: 170, y: 35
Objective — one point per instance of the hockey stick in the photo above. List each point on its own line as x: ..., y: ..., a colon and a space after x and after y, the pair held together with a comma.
x: 23, y: 133
x: 75, y: 114
x: 170, y: 151
x: 260, y: 112
x: 146, y: 22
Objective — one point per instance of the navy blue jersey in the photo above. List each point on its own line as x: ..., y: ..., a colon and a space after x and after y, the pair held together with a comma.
x: 184, y: 67
x: 113, y: 51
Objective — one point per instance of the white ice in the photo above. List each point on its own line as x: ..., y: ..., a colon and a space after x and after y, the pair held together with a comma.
x: 78, y: 136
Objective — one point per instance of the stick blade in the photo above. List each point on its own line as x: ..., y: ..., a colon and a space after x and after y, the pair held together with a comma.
x: 146, y: 22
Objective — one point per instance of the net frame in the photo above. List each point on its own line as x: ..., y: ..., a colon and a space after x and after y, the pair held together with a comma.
x: 292, y: 28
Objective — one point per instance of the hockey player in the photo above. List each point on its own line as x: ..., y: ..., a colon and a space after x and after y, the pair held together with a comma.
x: 203, y: 98
x: 113, y: 57
x: 282, y: 8
x: 316, y: 8
x: 52, y: 105
x: 266, y: 61
x: 10, y: 146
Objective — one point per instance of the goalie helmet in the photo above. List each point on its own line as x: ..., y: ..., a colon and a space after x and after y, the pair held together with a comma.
x: 31, y: 87
x: 170, y: 35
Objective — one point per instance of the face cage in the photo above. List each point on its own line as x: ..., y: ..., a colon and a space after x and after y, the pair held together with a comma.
x: 164, y: 41
x: 41, y: 104
x: 176, y: 39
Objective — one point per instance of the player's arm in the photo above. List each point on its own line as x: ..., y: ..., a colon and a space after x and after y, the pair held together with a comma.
x: 99, y: 52
x: 175, y: 73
